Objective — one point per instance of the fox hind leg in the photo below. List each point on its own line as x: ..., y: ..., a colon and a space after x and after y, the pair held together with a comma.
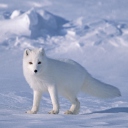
x: 75, y: 107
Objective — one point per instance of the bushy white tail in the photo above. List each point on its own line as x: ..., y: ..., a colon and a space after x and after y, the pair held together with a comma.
x: 99, y: 89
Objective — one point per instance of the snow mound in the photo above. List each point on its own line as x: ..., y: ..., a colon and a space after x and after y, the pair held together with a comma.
x: 15, y: 14
x: 106, y: 33
x: 35, y: 28
x: 48, y: 25
x: 30, y: 24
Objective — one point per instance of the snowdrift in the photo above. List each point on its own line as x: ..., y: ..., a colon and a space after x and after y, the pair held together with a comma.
x: 31, y: 24
x: 33, y: 28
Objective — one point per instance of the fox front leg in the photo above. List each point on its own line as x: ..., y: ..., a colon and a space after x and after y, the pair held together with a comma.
x: 54, y: 98
x: 36, y: 102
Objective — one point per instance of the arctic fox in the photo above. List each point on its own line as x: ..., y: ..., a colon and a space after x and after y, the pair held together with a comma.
x: 65, y: 77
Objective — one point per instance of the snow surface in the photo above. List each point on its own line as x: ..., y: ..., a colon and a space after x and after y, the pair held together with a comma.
x: 92, y: 32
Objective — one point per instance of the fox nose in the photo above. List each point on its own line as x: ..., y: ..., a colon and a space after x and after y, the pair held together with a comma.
x: 35, y: 71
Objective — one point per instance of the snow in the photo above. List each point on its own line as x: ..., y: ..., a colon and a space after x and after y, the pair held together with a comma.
x: 93, y: 32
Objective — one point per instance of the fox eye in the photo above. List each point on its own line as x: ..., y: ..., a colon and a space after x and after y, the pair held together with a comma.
x: 30, y: 63
x: 39, y: 62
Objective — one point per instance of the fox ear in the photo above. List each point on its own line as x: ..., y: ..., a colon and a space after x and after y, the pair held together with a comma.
x: 42, y: 50
x: 27, y: 52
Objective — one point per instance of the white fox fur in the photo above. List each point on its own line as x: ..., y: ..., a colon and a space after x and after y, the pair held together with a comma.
x: 64, y: 77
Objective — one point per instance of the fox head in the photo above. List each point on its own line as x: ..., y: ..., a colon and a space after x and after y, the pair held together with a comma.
x: 33, y: 60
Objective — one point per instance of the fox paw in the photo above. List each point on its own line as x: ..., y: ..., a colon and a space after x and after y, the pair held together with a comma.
x: 69, y: 112
x: 53, y: 112
x: 31, y: 112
